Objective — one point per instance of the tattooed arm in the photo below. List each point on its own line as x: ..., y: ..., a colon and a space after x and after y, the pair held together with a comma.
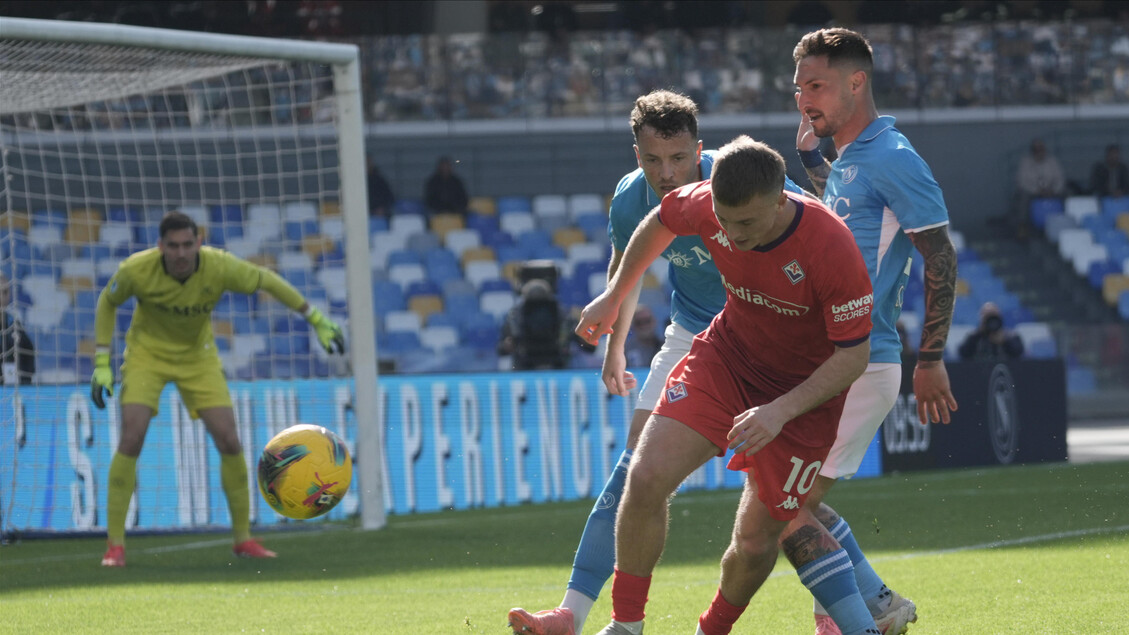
x: 930, y: 378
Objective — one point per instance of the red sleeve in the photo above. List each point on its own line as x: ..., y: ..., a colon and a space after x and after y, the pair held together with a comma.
x: 682, y: 210
x: 844, y: 290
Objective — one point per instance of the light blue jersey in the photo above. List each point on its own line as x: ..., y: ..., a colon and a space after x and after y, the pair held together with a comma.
x: 883, y: 189
x: 698, y: 293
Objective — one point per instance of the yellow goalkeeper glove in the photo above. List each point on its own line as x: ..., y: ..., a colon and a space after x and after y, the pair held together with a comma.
x: 329, y: 334
x: 101, y: 380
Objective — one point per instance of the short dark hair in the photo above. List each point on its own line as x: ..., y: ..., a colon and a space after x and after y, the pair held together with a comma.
x: 744, y: 168
x: 841, y: 46
x: 668, y: 112
x: 177, y: 220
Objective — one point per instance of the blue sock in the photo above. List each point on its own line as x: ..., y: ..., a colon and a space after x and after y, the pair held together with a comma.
x: 870, y: 585
x: 831, y: 580
x: 595, y: 556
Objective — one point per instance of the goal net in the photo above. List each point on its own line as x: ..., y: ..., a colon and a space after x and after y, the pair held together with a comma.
x: 104, y: 129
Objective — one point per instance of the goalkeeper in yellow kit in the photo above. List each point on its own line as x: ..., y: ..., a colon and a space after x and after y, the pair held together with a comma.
x: 170, y: 340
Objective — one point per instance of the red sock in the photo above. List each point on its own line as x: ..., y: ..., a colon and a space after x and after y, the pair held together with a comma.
x: 720, y: 617
x: 629, y: 596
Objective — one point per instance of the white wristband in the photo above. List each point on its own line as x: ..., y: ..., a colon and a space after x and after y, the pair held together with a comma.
x: 309, y: 310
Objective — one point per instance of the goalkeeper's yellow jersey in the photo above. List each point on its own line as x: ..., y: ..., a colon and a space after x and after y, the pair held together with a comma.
x: 172, y: 319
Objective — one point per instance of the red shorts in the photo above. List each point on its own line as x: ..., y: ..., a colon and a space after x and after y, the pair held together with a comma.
x: 704, y: 392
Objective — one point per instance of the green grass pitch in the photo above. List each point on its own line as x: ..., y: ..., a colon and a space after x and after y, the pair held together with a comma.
x: 1034, y: 549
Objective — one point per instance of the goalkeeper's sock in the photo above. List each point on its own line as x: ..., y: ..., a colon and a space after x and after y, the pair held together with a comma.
x: 831, y: 579
x: 123, y: 480
x: 595, y: 555
x: 870, y: 585
x: 233, y: 477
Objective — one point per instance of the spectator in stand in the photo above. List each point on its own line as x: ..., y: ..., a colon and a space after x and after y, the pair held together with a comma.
x: 444, y: 190
x: 1110, y: 177
x: 380, y: 197
x: 991, y: 341
x: 1040, y: 175
x: 16, y: 349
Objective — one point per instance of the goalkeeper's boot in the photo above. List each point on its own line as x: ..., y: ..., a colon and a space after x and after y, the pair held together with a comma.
x: 556, y: 621
x: 252, y: 548
x: 115, y: 556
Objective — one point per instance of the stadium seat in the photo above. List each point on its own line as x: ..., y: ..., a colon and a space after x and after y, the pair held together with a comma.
x: 510, y: 254
x: 481, y: 331
x: 407, y: 225
x: 299, y: 211
x: 439, y: 338
x: 423, y: 242
x: 1123, y: 305
x: 957, y: 335
x: 56, y: 218
x: 423, y: 287
x: 515, y: 223
x: 441, y: 224
x: 497, y: 284
x: 198, y: 213
x: 1056, y: 224
x: 594, y: 226
x: 130, y: 215
x: 377, y: 224
x: 393, y: 343
x: 1080, y: 381
x: 478, y: 271
x: 332, y: 280
x: 408, y: 207
x: 461, y: 303
x: 481, y: 223
x: 460, y: 240
x: 1099, y: 271
x: 225, y: 216
x: 294, y: 260
x: 475, y: 254
x: 534, y: 240
x: 444, y: 318
x: 1112, y: 207
x: 581, y: 204
x: 497, y: 303
x: 83, y: 226
x: 424, y: 305
x: 317, y: 246
x: 388, y: 296
x: 115, y: 234
x: 1087, y: 256
x: 404, y: 257
x: 332, y: 226
x: 1042, y: 208
x: 407, y: 273
x: 1113, y: 285
x: 1078, y: 207
x: 329, y: 209
x: 587, y: 251
x: 513, y: 204
x: 483, y: 205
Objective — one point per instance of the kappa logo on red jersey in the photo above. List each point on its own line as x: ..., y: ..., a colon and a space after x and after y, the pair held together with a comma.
x: 676, y: 392
x: 794, y: 272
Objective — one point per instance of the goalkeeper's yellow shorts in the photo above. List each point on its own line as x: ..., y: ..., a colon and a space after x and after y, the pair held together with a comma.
x: 200, y: 381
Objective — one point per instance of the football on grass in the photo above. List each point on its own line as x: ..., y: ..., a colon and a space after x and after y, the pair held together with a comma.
x: 304, y: 471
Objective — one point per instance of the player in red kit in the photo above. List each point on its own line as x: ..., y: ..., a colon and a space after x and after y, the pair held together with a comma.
x: 766, y: 379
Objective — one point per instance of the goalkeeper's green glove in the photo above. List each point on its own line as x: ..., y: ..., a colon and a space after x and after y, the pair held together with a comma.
x: 329, y: 334
x: 102, y: 379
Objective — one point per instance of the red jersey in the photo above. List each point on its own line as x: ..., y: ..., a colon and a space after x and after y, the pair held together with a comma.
x: 788, y: 303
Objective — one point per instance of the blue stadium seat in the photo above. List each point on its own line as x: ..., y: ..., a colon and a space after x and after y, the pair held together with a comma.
x: 445, y: 318
x: 50, y: 217
x: 480, y: 331
x: 237, y: 303
x: 226, y: 216
x: 409, y: 206
x: 966, y: 310
x: 512, y: 253
x: 496, y: 284
x: 573, y: 291
x: 393, y: 343
x: 594, y: 226
x: 1123, y: 305
x: 507, y: 204
x: 300, y: 278
x: 123, y: 215
x: 1041, y: 208
x: 1111, y: 206
x: 95, y: 252
x: 388, y: 296
x: 423, y: 287
x: 1099, y: 270
x: 535, y: 239
x: 377, y: 224
x: 1080, y: 380
x: 403, y: 257
x: 481, y: 223
x: 296, y: 230
x: 460, y: 303
x: 495, y: 238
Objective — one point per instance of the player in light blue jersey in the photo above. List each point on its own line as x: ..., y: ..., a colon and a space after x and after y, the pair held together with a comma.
x: 669, y: 155
x: 892, y: 204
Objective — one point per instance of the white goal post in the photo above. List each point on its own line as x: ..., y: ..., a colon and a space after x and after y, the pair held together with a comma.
x: 103, y: 128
